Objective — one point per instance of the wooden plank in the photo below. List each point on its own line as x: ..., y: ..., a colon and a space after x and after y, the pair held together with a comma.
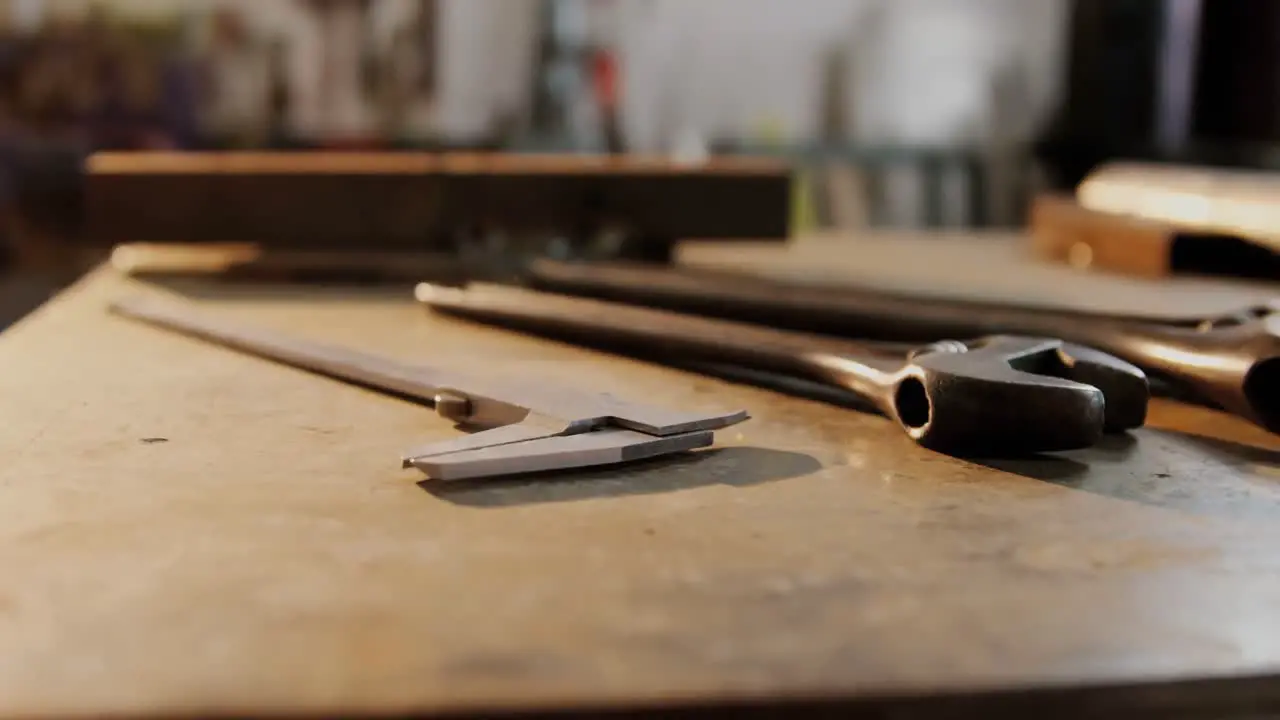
x: 187, y: 531
x: 420, y: 201
x: 1225, y: 202
x: 986, y: 268
x: 1063, y: 231
x: 1156, y: 220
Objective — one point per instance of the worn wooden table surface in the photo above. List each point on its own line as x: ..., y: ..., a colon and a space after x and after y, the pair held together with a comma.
x: 186, y: 530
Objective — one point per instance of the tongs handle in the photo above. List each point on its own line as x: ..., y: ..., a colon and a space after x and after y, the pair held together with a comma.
x: 660, y: 334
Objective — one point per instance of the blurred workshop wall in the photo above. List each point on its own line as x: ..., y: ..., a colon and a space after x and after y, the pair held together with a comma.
x: 483, y: 55
x: 937, y: 73
x: 484, y: 51
x: 725, y: 68
x: 925, y: 87
x: 891, y: 98
x: 895, y: 112
x: 926, y: 69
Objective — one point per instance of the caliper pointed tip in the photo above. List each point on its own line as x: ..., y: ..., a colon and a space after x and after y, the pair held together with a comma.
x: 608, y: 446
x: 493, y: 437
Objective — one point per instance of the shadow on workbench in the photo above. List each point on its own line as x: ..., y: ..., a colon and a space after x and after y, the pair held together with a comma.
x: 1229, y: 451
x: 211, y: 287
x: 734, y: 466
x: 1209, y: 477
x: 1066, y: 469
x: 1228, y: 436
x: 20, y: 294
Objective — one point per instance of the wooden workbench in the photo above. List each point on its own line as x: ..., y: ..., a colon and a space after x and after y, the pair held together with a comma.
x: 184, y: 530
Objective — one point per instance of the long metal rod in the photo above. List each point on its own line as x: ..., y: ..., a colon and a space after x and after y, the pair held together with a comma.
x: 688, y: 337
x: 415, y: 381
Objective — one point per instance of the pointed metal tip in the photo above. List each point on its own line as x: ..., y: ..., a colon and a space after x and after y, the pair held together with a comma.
x: 485, y: 439
x: 425, y: 292
x: 609, y: 446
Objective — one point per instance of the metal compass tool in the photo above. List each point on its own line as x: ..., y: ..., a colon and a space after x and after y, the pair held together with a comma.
x: 524, y: 427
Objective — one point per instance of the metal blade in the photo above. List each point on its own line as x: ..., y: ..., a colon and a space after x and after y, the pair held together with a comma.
x: 414, y: 381
x: 602, y: 447
x: 529, y: 429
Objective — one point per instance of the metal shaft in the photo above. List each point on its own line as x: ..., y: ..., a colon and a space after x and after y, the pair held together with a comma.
x: 661, y: 334
x: 415, y: 381
x: 1235, y: 367
x: 456, y: 397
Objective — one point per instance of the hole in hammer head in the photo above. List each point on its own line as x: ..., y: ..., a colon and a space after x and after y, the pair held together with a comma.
x: 912, y: 403
x: 1262, y: 390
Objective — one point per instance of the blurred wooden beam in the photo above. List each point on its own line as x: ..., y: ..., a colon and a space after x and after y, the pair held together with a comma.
x: 420, y: 201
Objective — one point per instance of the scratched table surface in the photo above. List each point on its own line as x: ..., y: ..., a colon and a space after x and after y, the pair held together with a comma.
x: 185, y: 531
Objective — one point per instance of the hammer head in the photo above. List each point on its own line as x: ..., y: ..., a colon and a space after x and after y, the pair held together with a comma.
x: 1009, y: 393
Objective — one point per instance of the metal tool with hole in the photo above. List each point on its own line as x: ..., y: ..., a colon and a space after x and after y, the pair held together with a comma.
x: 524, y: 427
x: 1000, y: 394
x: 1230, y: 362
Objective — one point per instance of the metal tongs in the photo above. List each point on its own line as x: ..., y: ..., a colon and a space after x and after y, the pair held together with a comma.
x: 1231, y: 362
x: 997, y: 394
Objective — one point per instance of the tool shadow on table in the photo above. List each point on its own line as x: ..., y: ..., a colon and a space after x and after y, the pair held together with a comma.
x: 1219, y: 440
x: 1216, y: 431
x: 736, y: 466
x: 211, y: 287
x: 1230, y: 451
x: 1066, y: 469
x: 1226, y: 468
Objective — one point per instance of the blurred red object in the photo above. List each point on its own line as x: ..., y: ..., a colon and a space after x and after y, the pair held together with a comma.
x: 604, y: 76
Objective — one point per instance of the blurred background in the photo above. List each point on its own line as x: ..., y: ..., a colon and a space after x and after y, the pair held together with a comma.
x: 895, y: 113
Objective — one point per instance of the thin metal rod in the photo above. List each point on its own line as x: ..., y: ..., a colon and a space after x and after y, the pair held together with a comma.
x: 689, y: 337
x: 413, y: 381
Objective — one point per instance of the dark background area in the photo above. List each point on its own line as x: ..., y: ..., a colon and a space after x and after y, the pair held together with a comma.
x: 1166, y: 80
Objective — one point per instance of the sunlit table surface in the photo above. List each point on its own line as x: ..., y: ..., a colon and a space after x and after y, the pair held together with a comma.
x: 185, y: 531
